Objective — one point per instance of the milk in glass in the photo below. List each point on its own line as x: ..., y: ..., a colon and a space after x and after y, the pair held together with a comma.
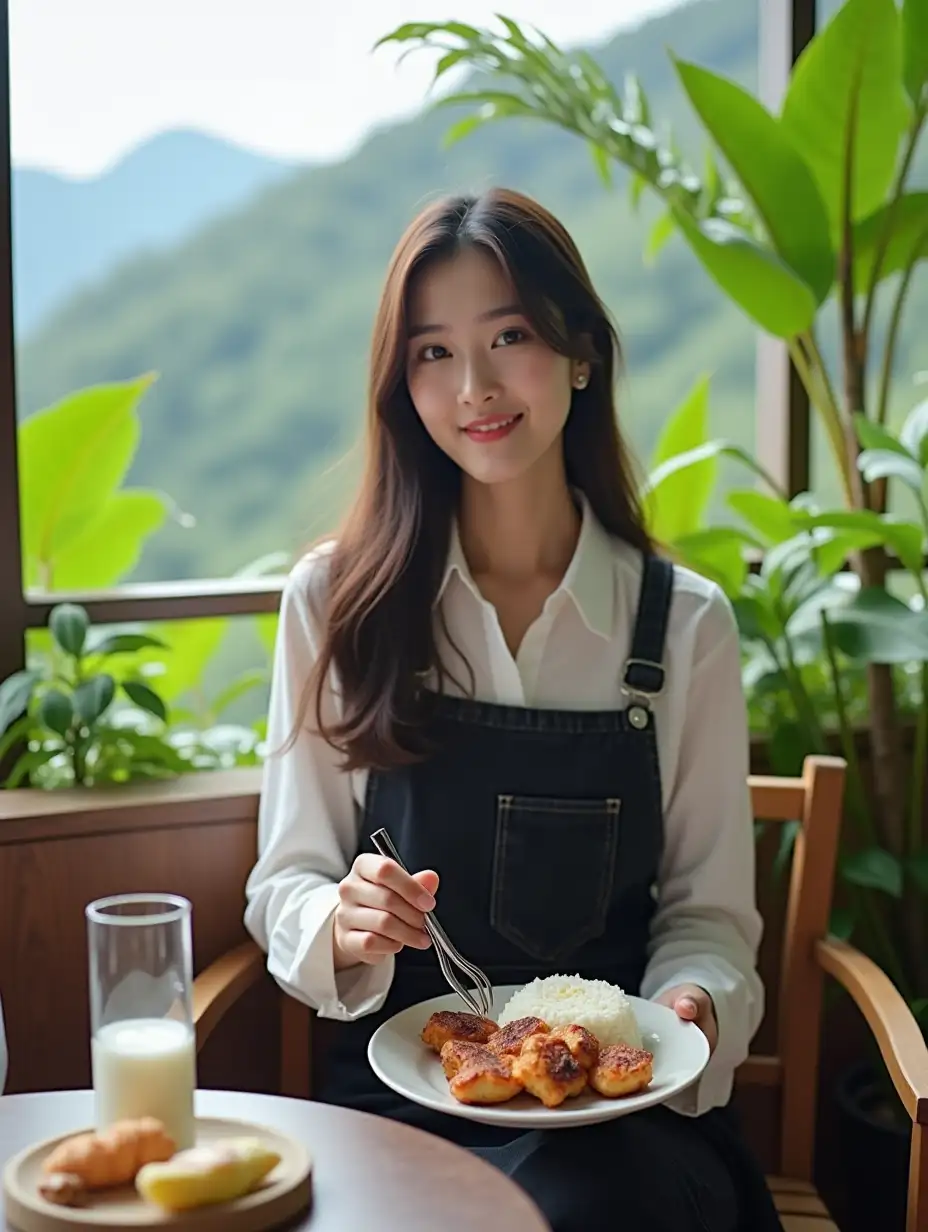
x: 142, y: 1040
x: 146, y: 1067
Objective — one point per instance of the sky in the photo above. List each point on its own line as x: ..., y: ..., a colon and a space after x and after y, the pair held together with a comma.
x: 91, y: 79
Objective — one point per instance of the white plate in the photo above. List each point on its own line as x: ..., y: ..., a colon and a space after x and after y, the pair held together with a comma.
x: 401, y: 1060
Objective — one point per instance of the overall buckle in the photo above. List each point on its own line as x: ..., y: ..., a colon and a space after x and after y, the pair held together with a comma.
x: 642, y: 681
x: 642, y: 678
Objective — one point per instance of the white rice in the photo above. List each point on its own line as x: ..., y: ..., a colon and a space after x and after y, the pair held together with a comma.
x: 563, y: 1000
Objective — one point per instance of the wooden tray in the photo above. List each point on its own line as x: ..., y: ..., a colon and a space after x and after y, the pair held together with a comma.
x: 285, y: 1193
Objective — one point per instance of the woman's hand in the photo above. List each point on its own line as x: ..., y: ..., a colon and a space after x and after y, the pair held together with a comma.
x: 693, y: 1004
x: 380, y: 909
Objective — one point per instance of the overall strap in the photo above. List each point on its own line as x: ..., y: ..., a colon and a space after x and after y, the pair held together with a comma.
x: 643, y: 676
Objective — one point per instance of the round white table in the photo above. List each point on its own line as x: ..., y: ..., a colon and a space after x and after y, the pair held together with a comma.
x: 370, y: 1174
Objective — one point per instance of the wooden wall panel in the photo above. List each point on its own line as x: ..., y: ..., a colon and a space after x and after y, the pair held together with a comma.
x: 52, y: 864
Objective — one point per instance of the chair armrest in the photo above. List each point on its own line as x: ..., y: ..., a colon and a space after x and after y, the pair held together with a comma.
x: 217, y: 988
x: 901, y: 1043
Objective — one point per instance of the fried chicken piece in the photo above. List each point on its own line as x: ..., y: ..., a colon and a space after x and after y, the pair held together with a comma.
x: 621, y: 1070
x: 583, y: 1044
x: 457, y: 1053
x: 508, y: 1040
x: 457, y: 1025
x: 481, y: 1077
x: 547, y: 1070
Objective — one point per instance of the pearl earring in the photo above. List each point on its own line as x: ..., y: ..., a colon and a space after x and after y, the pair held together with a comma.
x: 580, y: 380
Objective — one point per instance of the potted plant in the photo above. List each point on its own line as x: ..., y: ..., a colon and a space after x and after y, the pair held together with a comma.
x: 812, y: 217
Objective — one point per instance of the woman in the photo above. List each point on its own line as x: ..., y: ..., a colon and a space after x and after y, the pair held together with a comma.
x: 493, y: 633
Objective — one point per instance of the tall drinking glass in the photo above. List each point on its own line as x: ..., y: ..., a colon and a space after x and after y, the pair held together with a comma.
x: 142, y: 1038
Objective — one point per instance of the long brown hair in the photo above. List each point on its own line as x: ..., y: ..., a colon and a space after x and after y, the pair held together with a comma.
x: 386, y: 567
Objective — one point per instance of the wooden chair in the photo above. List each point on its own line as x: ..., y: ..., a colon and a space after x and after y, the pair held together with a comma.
x: 808, y: 952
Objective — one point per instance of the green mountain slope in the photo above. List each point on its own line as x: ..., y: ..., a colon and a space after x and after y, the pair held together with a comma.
x: 259, y: 325
x: 66, y: 232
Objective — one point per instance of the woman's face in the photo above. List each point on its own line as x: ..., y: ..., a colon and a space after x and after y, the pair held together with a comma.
x: 490, y: 393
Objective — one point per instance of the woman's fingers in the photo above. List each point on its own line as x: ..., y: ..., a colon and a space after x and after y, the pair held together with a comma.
x: 692, y: 1003
x: 380, y: 910
x: 383, y: 872
x: 383, y: 926
x: 379, y: 898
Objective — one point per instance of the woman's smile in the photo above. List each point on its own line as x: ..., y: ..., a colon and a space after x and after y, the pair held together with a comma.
x: 492, y: 427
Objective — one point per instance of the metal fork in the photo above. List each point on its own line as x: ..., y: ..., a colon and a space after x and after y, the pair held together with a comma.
x: 447, y: 954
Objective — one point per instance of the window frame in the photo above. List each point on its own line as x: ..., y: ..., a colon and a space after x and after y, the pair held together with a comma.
x: 782, y: 408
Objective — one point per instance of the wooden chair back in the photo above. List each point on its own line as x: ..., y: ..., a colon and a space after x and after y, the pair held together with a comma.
x: 815, y: 801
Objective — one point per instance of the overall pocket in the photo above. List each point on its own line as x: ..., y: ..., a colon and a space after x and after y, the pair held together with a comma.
x: 553, y: 872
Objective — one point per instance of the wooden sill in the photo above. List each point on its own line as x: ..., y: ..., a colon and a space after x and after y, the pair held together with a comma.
x: 211, y: 798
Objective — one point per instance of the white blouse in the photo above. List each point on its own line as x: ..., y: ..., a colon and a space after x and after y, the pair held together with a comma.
x: 706, y: 929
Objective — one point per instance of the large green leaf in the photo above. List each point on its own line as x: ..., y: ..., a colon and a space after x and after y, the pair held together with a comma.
x: 717, y: 552
x: 123, y: 643
x: 72, y: 458
x: 875, y: 627
x: 816, y: 552
x: 756, y: 619
x: 804, y: 625
x: 145, y: 698
x: 56, y: 711
x: 831, y: 554
x: 771, y: 170
x: 771, y: 517
x: 15, y: 695
x: 904, y: 538
x: 69, y: 624
x: 660, y: 233
x: 914, y: 432
x: 711, y: 449
x: 874, y: 436
x: 874, y: 869
x: 876, y: 464
x: 92, y: 697
x: 915, y: 47
x: 783, y: 559
x: 908, y: 240
x: 847, y: 85
x: 759, y: 281
x: 678, y: 505
x: 108, y: 549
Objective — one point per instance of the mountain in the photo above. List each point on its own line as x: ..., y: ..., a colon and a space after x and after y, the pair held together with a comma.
x: 67, y: 232
x: 259, y: 323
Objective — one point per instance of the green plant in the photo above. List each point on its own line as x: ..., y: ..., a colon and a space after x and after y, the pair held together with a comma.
x: 84, y: 529
x: 810, y: 632
x: 89, y: 712
x: 797, y: 215
x: 66, y: 713
x: 813, y: 630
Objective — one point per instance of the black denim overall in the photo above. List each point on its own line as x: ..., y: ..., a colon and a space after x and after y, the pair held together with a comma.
x: 546, y: 829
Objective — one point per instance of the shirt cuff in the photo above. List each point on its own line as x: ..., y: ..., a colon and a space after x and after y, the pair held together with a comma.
x: 734, y: 1019
x: 344, y: 995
